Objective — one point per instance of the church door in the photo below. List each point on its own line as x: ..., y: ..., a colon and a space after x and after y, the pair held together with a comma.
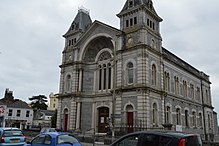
x: 130, y: 121
x: 65, y: 120
x: 130, y: 118
x: 103, y: 115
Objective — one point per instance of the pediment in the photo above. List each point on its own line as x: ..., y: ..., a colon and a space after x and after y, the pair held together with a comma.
x: 98, y: 28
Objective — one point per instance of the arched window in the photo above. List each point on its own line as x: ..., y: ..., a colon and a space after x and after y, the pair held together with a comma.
x: 178, y: 116
x: 194, y: 119
x: 155, y: 115
x: 209, y: 122
x: 130, y: 73
x: 131, y: 3
x: 167, y: 81
x: 154, y: 75
x: 68, y: 84
x: 198, y: 93
x: 184, y: 88
x: 176, y: 85
x: 152, y: 43
x: 104, y: 77
x: 187, y: 118
x: 192, y: 94
x: 168, y: 115
x: 200, y: 120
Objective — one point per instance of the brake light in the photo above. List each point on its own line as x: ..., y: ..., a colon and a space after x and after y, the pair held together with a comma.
x: 182, y: 142
x: 2, y: 139
x: 25, y: 138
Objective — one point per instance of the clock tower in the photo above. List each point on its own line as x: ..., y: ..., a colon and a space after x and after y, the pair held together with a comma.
x: 141, y: 24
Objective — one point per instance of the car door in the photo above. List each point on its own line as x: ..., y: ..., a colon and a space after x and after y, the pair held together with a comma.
x: 129, y: 140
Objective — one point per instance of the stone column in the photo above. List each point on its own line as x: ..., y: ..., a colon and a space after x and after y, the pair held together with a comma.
x: 78, y: 115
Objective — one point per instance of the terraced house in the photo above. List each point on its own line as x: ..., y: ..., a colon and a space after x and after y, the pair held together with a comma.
x: 123, y: 78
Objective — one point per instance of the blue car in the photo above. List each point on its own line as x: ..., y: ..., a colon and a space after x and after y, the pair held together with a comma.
x: 12, y: 137
x: 54, y: 139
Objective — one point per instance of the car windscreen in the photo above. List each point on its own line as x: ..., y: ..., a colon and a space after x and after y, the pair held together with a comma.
x: 66, y: 138
x: 9, y: 133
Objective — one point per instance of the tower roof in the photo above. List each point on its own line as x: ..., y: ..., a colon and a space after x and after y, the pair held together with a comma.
x: 81, y: 22
x: 130, y: 4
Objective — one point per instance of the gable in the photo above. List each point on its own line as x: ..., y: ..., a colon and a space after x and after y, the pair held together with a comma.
x: 98, y: 36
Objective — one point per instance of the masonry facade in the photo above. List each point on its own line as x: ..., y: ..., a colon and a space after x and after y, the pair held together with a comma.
x: 125, y: 79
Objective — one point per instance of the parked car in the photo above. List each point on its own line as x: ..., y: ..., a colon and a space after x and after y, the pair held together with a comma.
x: 12, y: 137
x: 145, y: 138
x: 47, y: 129
x: 54, y: 139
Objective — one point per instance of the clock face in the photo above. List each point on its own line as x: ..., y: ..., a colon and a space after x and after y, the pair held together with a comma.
x: 130, y: 41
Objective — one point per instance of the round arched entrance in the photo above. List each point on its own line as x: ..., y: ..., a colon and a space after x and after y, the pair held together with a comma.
x: 65, y: 119
x: 103, y: 115
x: 130, y: 118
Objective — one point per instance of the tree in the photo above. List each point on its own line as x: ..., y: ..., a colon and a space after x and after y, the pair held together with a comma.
x: 38, y: 102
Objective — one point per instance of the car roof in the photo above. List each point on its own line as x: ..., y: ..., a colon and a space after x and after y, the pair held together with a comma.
x: 9, y: 128
x: 167, y: 133
x: 53, y: 134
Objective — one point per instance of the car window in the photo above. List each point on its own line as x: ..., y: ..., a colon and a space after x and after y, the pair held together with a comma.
x: 38, y: 140
x: 42, y: 130
x: 52, y: 130
x: 193, y: 141
x: 48, y: 139
x: 9, y: 133
x: 66, y: 139
x: 164, y: 140
x: 149, y: 140
x: 131, y: 140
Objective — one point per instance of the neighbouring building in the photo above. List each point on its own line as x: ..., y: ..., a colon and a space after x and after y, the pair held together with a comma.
x: 125, y: 78
x: 53, y: 101
x: 42, y: 118
x: 15, y: 112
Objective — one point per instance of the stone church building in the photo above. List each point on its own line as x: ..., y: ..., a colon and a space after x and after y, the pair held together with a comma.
x: 123, y: 79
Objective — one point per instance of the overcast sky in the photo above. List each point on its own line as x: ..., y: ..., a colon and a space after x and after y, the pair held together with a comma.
x: 31, y: 39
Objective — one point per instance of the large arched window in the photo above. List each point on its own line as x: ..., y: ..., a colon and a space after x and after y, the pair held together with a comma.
x: 178, y: 116
x: 68, y: 84
x: 154, y: 75
x: 130, y: 73
x: 155, y: 115
x: 104, y: 71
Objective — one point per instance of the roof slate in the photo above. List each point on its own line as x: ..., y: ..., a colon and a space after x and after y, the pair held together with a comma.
x: 81, y: 22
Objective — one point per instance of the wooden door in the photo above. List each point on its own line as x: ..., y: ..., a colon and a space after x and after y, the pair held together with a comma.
x: 130, y: 121
x: 103, y: 115
x: 66, y: 122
